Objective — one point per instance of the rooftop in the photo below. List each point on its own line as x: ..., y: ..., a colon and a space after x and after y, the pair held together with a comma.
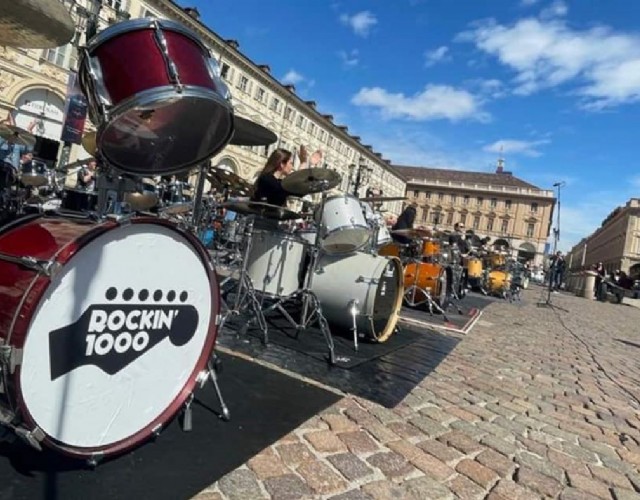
x: 466, y: 177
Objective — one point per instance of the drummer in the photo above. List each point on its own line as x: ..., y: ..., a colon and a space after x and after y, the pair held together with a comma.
x: 405, y: 221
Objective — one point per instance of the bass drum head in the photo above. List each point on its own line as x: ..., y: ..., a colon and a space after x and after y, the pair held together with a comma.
x: 374, y: 281
x: 118, y: 338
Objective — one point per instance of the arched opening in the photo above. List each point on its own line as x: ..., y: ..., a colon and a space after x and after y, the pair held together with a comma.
x: 526, y: 252
x: 501, y: 242
x: 40, y: 111
x: 229, y: 164
x: 634, y: 272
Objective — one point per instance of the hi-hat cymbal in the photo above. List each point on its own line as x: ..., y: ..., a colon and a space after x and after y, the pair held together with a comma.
x: 17, y: 135
x: 415, y: 233
x: 89, y: 143
x: 311, y: 180
x: 225, y: 180
x: 262, y: 209
x: 248, y: 133
x: 375, y: 199
x: 35, y: 24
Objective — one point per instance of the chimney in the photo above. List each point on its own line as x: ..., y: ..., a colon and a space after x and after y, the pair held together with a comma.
x: 192, y: 12
x: 265, y: 67
x: 233, y: 43
x: 291, y: 88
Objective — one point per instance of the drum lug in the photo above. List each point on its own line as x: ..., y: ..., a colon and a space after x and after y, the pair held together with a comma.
x: 94, y: 459
x: 11, y: 357
x: 156, y: 430
x: 33, y: 438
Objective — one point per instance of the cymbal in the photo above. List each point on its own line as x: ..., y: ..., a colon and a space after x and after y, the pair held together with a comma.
x: 35, y: 24
x: 311, y: 180
x: 262, y: 209
x: 19, y: 135
x: 89, y: 143
x: 374, y: 199
x: 223, y: 179
x: 415, y: 233
x: 249, y: 133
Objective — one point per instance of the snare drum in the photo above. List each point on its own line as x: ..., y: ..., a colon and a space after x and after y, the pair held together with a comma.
x: 154, y: 92
x: 375, y: 282
x: 343, y: 226
x: 78, y: 200
x: 105, y: 339
x: 275, y: 263
x: 34, y: 174
x: 474, y: 267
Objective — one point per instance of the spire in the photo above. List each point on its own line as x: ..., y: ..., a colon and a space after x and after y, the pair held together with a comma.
x: 500, y: 164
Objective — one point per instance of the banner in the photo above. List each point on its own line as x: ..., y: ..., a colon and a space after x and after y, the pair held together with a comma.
x: 75, y: 112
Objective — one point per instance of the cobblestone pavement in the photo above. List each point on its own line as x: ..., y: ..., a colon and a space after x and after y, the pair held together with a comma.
x: 533, y: 403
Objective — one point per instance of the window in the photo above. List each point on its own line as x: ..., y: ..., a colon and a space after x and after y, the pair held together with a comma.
x: 436, y: 218
x: 463, y: 219
x: 453, y: 198
x: 505, y: 226
x: 288, y: 113
x: 494, y: 202
x: 330, y: 143
x: 114, y: 4
x: 416, y: 193
x: 275, y: 104
x: 312, y: 128
x: 534, y: 207
x: 531, y: 228
x: 465, y: 199
x: 507, y: 205
x: 65, y: 56
x: 243, y: 83
x: 425, y: 212
x: 224, y: 71
x: 300, y: 121
x: 476, y: 222
x: 440, y: 196
x: 260, y: 94
x: 450, y: 218
x: 479, y: 201
x: 490, y: 224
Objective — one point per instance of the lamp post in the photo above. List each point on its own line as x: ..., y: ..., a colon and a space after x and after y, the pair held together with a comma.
x: 362, y: 173
x: 556, y: 231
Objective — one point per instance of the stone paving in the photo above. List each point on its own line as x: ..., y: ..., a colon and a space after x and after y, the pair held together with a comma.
x: 533, y: 403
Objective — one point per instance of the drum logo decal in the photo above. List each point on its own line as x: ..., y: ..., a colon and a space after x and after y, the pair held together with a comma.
x: 110, y: 336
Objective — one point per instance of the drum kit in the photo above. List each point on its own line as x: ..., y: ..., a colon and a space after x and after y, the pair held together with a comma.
x: 110, y: 302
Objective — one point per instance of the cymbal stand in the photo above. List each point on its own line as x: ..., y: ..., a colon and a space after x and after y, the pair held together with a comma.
x: 311, y: 308
x: 245, y: 296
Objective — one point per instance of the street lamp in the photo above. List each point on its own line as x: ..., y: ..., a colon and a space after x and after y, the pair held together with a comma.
x: 556, y: 231
x: 362, y: 174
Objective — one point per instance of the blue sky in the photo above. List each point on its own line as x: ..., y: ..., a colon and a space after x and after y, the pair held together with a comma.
x: 555, y: 84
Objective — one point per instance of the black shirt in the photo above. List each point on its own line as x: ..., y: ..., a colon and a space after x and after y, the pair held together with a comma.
x: 269, y: 190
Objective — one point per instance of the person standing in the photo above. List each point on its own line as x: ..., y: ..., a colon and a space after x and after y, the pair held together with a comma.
x: 86, y: 178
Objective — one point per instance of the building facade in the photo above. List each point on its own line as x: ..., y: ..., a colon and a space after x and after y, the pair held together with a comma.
x: 509, y: 210
x: 33, y: 89
x: 616, y: 243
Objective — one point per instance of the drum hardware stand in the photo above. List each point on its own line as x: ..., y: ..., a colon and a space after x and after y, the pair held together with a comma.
x: 411, y: 292
x: 245, y: 290
x: 311, y: 308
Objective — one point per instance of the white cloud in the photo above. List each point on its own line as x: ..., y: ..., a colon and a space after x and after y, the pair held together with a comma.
x: 605, y: 65
x: 557, y: 9
x: 349, y: 59
x: 292, y: 77
x: 514, y: 146
x: 361, y: 22
x: 435, y: 56
x: 433, y: 103
x: 528, y: 3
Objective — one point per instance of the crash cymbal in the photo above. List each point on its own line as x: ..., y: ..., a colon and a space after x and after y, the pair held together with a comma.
x: 17, y: 135
x: 35, y: 24
x: 225, y: 180
x: 374, y: 199
x: 415, y: 233
x: 261, y: 209
x: 248, y: 133
x: 89, y: 143
x: 311, y: 180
